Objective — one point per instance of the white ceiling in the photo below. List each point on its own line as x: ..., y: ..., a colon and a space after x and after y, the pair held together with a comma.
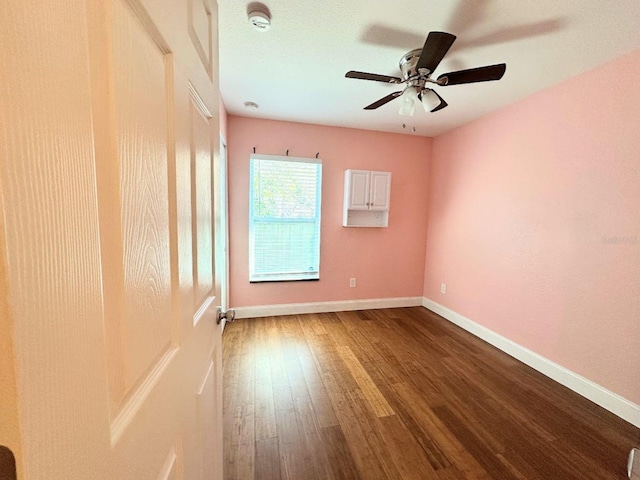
x: 295, y: 71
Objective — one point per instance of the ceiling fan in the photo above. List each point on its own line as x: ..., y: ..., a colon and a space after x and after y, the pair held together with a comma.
x: 416, y: 68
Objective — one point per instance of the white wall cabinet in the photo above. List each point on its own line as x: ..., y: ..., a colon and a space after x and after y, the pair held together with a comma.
x: 366, y: 198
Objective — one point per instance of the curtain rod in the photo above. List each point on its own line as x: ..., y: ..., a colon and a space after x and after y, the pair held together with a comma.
x: 287, y: 153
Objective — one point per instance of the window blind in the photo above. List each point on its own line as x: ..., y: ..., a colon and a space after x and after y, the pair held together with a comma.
x: 284, y: 218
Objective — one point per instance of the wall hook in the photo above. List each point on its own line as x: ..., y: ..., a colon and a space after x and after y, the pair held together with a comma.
x: 287, y: 153
x: 317, y: 154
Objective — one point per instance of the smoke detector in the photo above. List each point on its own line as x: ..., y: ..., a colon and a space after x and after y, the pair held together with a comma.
x: 260, y: 20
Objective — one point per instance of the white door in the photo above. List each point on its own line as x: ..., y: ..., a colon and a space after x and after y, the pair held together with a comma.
x: 108, y: 146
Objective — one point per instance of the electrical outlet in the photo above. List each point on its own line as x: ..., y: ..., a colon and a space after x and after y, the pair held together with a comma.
x: 352, y: 282
x: 443, y: 288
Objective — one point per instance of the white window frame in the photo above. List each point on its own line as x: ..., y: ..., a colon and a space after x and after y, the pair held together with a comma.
x: 283, y: 276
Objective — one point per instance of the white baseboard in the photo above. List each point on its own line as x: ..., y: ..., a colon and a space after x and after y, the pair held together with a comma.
x: 608, y: 400
x: 323, y: 307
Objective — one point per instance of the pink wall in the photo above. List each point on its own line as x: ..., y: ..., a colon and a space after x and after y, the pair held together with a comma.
x: 534, y: 224
x: 223, y: 120
x: 387, y: 262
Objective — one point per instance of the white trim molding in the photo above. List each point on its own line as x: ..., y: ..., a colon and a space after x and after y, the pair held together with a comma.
x: 324, y: 307
x: 599, y: 395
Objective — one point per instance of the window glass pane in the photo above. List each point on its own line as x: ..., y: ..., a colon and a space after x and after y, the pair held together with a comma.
x: 284, y: 233
x: 285, y: 189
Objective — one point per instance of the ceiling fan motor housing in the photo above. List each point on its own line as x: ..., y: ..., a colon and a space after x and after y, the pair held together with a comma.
x: 408, y: 64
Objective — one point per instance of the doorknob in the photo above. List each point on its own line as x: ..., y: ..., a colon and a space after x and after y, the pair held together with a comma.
x: 229, y: 315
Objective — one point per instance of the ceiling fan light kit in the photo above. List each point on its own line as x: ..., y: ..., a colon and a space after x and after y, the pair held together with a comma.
x: 417, y: 67
x: 408, y: 101
x: 430, y: 100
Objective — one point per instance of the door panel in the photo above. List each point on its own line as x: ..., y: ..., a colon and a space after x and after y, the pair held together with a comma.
x: 201, y: 31
x: 201, y: 184
x: 108, y: 178
x: 207, y: 419
x: 142, y: 88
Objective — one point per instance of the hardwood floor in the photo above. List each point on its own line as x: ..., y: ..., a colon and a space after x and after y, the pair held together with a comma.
x: 401, y: 394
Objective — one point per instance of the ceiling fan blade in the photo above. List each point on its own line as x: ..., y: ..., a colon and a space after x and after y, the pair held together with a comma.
x: 383, y: 100
x: 435, y: 48
x: 473, y: 75
x: 442, y: 102
x: 373, y: 76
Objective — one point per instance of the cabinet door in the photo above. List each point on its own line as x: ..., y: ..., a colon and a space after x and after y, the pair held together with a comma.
x: 358, y: 185
x: 380, y: 184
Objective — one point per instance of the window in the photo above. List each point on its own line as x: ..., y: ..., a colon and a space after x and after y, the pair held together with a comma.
x: 284, y: 218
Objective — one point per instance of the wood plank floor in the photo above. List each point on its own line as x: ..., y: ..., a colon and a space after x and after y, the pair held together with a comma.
x: 401, y: 394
